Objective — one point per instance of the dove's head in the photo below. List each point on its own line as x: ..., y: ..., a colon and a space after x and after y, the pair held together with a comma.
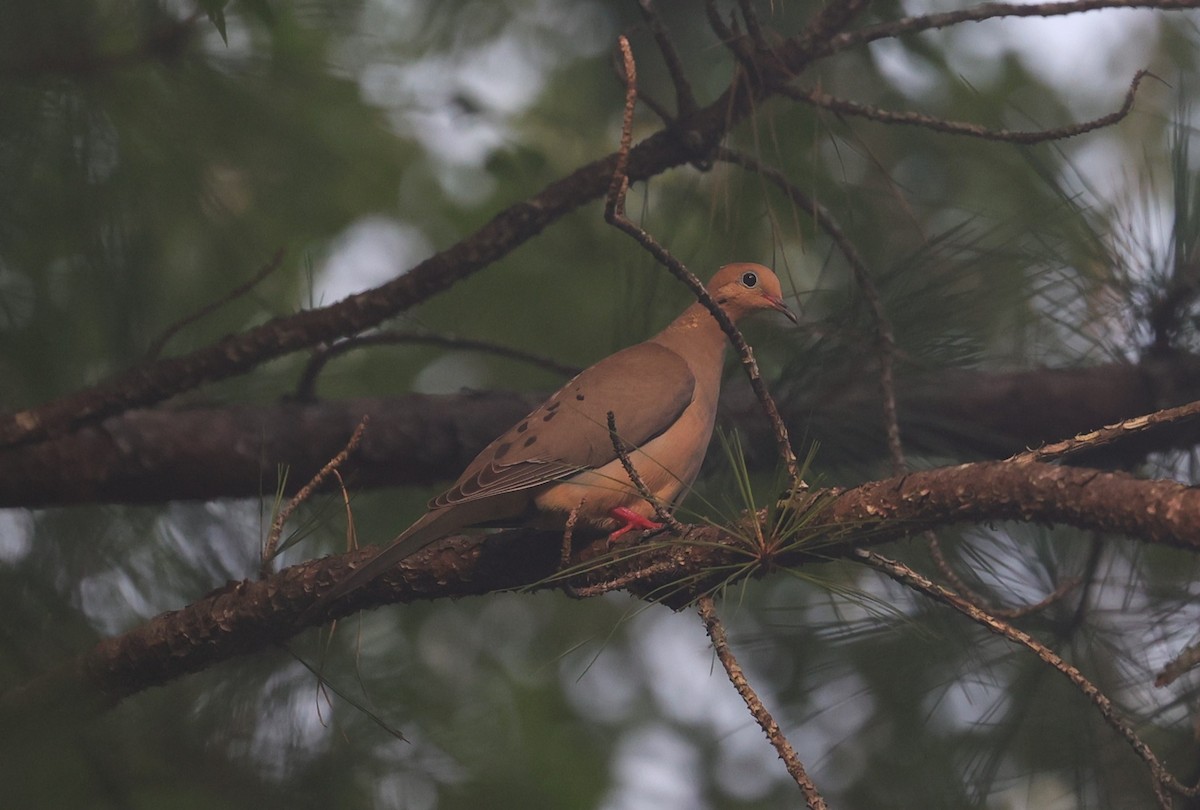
x: 744, y: 287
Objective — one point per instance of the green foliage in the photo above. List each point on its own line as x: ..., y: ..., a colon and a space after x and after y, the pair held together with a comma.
x: 154, y: 158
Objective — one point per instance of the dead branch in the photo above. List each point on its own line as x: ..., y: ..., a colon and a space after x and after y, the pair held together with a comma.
x: 614, y: 213
x: 635, y: 478
x: 1145, y: 426
x: 716, y: 632
x: 156, y: 346
x: 510, y: 228
x: 885, y: 336
x: 911, y: 579
x: 987, y: 11
x: 268, y: 551
x: 847, y: 107
x: 248, y: 616
x: 685, y: 99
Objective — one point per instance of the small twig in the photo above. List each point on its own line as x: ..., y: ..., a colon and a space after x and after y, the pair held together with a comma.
x: 306, y: 385
x: 724, y: 33
x: 886, y: 350
x: 1111, y: 434
x: 564, y: 558
x: 1187, y: 660
x: 716, y: 632
x: 985, y: 11
x: 847, y: 107
x: 910, y: 578
x: 351, y: 531
x: 273, y: 264
x: 660, y: 511
x: 624, y: 581
x: 305, y: 493
x: 974, y: 597
x: 1065, y: 587
x: 886, y: 338
x: 960, y: 585
x: 614, y: 213
x: 753, y: 28
x: 685, y: 99
x: 728, y: 37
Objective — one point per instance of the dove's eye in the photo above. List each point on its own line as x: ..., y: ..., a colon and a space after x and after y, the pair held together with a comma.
x: 750, y: 279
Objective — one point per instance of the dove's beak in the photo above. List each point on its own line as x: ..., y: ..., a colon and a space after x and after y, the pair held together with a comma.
x: 777, y: 304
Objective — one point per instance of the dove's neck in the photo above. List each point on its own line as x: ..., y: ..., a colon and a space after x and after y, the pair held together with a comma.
x: 697, y: 338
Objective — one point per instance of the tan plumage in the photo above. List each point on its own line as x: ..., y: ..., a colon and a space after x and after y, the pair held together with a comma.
x: 663, y: 394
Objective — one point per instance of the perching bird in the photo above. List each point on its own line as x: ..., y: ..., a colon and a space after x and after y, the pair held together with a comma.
x: 560, y: 458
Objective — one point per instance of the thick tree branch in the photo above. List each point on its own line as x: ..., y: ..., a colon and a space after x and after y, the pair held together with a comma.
x: 238, y: 353
x: 250, y: 616
x: 159, y: 455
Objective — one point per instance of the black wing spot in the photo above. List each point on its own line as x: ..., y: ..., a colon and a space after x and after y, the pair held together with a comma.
x: 521, y: 428
x: 529, y: 441
x: 503, y: 449
x: 553, y: 406
x: 549, y: 416
x: 579, y: 397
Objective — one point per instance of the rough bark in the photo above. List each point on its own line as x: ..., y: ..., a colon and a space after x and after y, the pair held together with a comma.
x: 250, y: 616
x: 154, y: 456
x: 689, y: 140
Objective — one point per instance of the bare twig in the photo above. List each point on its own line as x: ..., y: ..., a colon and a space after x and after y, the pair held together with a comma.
x: 685, y: 99
x: 614, y: 213
x: 238, y: 353
x: 886, y: 339
x: 1187, y: 660
x: 624, y: 581
x: 974, y: 597
x: 753, y: 28
x: 569, y: 532
x: 906, y: 576
x: 267, y: 269
x: 886, y: 348
x: 244, y: 617
x: 716, y: 632
x: 306, y: 385
x: 1112, y: 434
x: 986, y: 11
x: 847, y: 107
x: 660, y: 511
x: 730, y: 38
x: 305, y: 493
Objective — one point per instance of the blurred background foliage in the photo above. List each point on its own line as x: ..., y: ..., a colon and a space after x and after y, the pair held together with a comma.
x: 155, y: 155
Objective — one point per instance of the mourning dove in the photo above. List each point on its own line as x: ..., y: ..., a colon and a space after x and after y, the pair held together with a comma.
x: 560, y: 458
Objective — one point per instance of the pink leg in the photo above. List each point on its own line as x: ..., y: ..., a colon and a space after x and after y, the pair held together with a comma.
x: 632, y: 521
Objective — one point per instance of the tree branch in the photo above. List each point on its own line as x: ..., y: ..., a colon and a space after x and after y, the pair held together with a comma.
x: 716, y: 632
x: 988, y: 11
x: 249, y: 616
x: 157, y: 456
x: 512, y: 227
x: 847, y: 107
x: 911, y: 579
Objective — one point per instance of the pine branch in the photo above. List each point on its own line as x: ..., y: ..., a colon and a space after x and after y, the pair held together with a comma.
x: 253, y: 615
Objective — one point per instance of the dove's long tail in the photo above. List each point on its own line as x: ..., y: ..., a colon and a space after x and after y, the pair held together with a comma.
x: 432, y: 526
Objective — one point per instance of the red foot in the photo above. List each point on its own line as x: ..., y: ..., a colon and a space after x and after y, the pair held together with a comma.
x: 632, y: 521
